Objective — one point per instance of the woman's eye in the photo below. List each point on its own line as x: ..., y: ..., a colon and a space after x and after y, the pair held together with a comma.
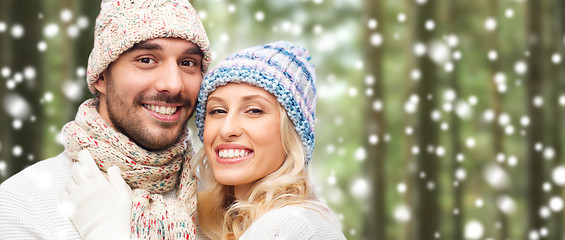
x: 216, y: 111
x: 255, y: 111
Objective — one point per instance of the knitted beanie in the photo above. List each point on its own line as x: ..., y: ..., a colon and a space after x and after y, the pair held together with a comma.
x: 123, y: 23
x: 281, y: 68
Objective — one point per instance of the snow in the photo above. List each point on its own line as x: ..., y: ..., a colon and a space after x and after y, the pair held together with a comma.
x: 430, y: 25
x: 556, y: 58
x: 17, y: 31
x: 373, y: 139
x: 415, y: 74
x: 66, y: 15
x: 30, y: 73
x: 474, y: 230
x: 496, y: 176
x: 42, y: 46
x: 460, y: 174
x: 558, y: 175
x: 490, y: 24
x: 492, y: 55
x: 376, y: 39
x: 378, y: 105
x: 51, y: 30
x: 259, y: 16
x: 538, y: 101
x: 17, y: 124
x: 231, y: 8
x: 3, y: 167
x: 402, y: 213
x: 401, y: 188
x: 401, y: 17
x: 17, y: 150
x: 439, y: 52
x: 506, y: 204
x: 556, y: 203
x: 73, y: 31
x: 520, y: 67
x: 544, y: 212
x: 419, y: 49
x: 470, y: 142
x: 360, y: 154
x: 372, y: 24
x: 16, y: 106
x: 360, y: 188
x: 509, y: 13
x: 82, y: 22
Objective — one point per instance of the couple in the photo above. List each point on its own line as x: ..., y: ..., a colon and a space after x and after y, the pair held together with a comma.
x: 255, y: 117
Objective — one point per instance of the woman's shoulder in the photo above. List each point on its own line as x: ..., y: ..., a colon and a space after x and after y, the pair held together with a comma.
x: 304, y: 221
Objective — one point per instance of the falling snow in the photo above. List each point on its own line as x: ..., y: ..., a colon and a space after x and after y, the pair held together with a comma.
x: 474, y: 230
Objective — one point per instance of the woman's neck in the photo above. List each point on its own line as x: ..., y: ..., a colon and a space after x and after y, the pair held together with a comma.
x: 241, y: 191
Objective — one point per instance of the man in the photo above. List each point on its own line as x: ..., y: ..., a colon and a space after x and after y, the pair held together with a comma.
x: 145, y: 70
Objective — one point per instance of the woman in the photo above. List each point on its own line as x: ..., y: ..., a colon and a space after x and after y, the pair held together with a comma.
x: 256, y: 119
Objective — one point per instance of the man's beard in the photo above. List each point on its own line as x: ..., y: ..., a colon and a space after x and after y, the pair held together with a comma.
x: 125, y: 120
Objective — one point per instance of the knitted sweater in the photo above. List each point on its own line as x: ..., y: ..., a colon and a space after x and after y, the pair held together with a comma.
x: 30, y: 203
x: 295, y: 222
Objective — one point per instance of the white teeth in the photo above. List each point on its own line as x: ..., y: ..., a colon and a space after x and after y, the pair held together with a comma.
x: 233, y: 153
x: 161, y: 109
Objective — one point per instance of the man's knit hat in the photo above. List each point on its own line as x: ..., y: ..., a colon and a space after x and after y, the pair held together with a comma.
x: 123, y: 23
x: 281, y: 68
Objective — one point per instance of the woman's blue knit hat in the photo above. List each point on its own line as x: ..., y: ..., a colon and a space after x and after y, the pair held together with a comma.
x: 281, y: 68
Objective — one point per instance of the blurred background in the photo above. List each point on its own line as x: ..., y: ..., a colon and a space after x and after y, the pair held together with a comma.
x: 436, y: 119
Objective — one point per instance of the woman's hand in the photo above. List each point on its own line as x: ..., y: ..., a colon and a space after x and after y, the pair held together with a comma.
x: 102, y: 207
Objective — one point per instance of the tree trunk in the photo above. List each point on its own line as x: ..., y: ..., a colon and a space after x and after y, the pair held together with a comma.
x: 455, y: 136
x: 26, y: 56
x: 534, y: 82
x: 557, y: 73
x: 427, y: 212
x: 496, y: 105
x: 5, y: 61
x: 375, y: 219
x: 61, y: 64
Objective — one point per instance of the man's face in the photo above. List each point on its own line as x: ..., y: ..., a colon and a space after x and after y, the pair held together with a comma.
x: 150, y: 91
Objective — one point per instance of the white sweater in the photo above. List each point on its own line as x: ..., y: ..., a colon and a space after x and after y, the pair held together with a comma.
x: 30, y: 206
x: 30, y: 202
x: 295, y: 222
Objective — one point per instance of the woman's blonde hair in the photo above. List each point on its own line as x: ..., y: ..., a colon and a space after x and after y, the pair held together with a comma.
x: 221, y: 216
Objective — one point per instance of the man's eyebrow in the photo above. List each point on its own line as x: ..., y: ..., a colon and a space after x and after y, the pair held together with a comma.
x: 152, y: 46
x: 144, y: 46
x: 193, y: 50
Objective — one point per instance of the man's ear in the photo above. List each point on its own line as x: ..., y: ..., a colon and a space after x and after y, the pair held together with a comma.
x: 100, y: 84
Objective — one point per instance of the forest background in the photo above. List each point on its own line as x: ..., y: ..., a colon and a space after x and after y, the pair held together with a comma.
x: 436, y: 119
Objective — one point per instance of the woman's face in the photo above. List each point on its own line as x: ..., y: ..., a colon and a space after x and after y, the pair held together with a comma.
x: 242, y: 136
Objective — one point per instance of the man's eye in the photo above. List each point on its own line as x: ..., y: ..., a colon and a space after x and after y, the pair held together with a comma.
x: 146, y: 60
x: 187, y: 63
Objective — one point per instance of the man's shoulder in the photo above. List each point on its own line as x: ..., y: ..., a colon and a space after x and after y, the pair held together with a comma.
x: 30, y: 204
x: 42, y: 176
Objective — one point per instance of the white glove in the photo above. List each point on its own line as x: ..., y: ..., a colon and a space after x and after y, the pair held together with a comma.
x: 102, y: 207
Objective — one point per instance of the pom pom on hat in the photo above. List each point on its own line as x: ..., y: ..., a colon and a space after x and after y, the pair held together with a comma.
x: 123, y: 23
x: 281, y: 68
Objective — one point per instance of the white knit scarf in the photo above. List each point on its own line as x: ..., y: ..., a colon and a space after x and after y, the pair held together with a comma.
x: 149, y: 174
